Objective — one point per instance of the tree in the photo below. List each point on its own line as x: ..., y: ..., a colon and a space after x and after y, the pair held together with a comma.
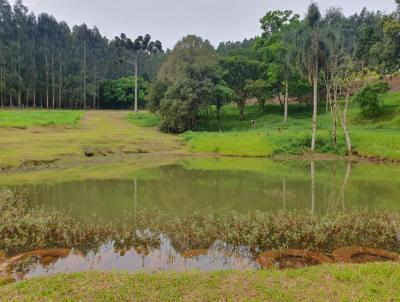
x: 237, y: 72
x: 274, y: 21
x: 309, y: 54
x: 261, y: 90
x: 275, y: 45
x: 120, y: 93
x: 45, y: 63
x: 180, y: 106
x: 370, y: 99
x: 190, y: 51
x: 137, y: 48
x: 222, y: 95
x: 156, y: 94
x: 190, y: 75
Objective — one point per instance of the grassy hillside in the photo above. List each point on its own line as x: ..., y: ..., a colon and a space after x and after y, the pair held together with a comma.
x: 27, y: 118
x: 370, y: 282
x: 379, y: 138
x: 143, y: 119
x: 97, y: 134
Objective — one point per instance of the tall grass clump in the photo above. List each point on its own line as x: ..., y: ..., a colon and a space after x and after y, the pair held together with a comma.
x: 25, y: 228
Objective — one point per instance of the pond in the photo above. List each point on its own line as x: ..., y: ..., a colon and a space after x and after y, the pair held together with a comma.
x: 221, y: 185
x: 196, y: 185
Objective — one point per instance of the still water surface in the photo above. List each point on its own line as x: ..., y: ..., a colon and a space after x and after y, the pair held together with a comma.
x: 210, y: 184
x: 202, y: 185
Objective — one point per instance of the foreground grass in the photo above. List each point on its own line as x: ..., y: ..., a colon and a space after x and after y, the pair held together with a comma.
x: 370, y: 282
x: 97, y: 134
x: 27, y: 118
x: 379, y: 138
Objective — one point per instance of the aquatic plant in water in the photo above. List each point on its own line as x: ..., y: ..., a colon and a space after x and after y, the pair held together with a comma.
x: 25, y: 228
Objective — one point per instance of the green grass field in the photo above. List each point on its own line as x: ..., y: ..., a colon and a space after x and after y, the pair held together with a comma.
x: 27, y: 118
x: 370, y: 282
x: 271, y: 136
x: 101, y: 134
x: 32, y: 137
x: 144, y: 119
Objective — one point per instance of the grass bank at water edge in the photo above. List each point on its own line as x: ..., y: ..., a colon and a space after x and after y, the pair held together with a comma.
x: 378, y: 138
x: 368, y: 282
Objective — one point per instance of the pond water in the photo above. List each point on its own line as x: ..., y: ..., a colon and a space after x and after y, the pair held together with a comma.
x: 225, y: 184
x: 198, y: 185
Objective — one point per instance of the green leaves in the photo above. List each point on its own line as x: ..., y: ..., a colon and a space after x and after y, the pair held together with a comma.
x: 369, y: 99
x: 120, y: 93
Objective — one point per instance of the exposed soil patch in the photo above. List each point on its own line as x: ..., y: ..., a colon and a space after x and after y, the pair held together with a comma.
x: 292, y: 258
x: 364, y: 255
x: 394, y: 83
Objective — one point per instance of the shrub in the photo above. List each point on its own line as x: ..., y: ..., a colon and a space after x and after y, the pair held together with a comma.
x: 175, y: 116
x: 370, y: 100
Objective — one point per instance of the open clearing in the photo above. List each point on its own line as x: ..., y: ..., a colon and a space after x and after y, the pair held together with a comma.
x: 271, y: 137
x: 98, y: 133
x: 36, y: 138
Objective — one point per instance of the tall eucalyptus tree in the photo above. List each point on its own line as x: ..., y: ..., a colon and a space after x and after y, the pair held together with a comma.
x: 131, y: 51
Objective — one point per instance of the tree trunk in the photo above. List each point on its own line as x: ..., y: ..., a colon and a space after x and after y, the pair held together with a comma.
x: 219, y: 117
x: 328, y: 98
x: 52, y: 77
x: 344, y: 123
x: 47, y: 81
x: 241, y: 106
x: 60, y: 81
x: 136, y: 83
x: 19, y: 72
x: 84, y: 75
x: 33, y: 73
x: 285, y: 114
x: 95, y: 87
x: 315, y: 109
x: 334, y: 114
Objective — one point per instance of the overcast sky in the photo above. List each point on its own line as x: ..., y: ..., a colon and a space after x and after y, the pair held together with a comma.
x: 170, y: 20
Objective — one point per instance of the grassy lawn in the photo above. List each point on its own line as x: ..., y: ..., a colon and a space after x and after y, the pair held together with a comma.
x: 272, y: 137
x: 97, y: 134
x: 28, y: 118
x: 370, y: 282
x: 144, y: 119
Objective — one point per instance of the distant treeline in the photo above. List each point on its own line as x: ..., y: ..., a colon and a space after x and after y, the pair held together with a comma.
x: 327, y: 56
x: 45, y: 63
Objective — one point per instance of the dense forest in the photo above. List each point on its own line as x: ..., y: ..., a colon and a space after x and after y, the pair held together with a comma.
x: 321, y: 56
x: 45, y: 63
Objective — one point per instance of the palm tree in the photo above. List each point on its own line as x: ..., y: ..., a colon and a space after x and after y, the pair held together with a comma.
x: 309, y: 54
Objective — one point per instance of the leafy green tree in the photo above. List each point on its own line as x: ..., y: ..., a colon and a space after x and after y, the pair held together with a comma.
x: 237, y: 72
x: 190, y: 51
x: 190, y: 75
x: 274, y: 46
x: 137, y: 48
x: 156, y: 94
x: 222, y: 95
x: 261, y: 90
x: 370, y: 99
x: 185, y: 97
x: 120, y: 93
x: 274, y: 21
